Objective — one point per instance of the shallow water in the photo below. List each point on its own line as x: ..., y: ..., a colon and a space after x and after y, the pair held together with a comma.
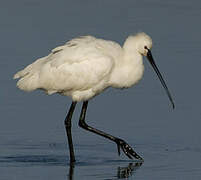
x: 32, y: 136
x: 49, y: 160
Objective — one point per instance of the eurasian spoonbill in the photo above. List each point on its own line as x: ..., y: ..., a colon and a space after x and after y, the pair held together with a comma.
x: 85, y: 66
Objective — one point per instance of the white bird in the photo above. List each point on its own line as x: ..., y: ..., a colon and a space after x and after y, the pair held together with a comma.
x: 84, y: 67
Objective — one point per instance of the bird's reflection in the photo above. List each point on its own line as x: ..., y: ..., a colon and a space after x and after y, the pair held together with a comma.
x: 125, y: 172
x: 71, y: 171
x: 122, y: 172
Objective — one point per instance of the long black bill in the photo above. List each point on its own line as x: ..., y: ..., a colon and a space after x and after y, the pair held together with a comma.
x: 151, y: 60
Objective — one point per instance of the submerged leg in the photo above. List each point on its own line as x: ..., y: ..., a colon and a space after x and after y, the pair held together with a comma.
x: 120, y: 143
x: 67, y: 123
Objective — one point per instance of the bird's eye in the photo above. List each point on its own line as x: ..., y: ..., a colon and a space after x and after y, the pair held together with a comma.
x: 145, y: 47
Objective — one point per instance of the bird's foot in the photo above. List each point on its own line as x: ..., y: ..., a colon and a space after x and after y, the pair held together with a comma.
x: 128, y: 151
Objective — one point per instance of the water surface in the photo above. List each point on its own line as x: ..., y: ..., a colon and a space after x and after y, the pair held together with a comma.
x: 32, y: 135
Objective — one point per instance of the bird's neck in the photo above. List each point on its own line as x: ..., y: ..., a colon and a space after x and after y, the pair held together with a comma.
x: 129, y: 70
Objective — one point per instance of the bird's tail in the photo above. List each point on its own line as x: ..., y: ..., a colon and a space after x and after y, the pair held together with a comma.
x: 20, y: 74
x: 29, y: 76
x: 28, y: 81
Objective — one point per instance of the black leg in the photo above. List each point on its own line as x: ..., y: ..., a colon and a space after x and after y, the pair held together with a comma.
x: 120, y: 143
x: 67, y: 123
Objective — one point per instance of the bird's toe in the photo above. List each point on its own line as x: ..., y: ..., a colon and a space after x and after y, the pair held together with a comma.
x: 128, y: 151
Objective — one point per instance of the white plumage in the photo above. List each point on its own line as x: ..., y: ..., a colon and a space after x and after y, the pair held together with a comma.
x: 85, y: 66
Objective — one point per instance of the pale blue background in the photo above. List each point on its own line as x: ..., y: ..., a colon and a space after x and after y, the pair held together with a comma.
x: 32, y: 135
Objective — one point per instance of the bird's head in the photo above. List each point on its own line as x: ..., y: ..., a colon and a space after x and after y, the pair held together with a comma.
x: 139, y: 42
x: 143, y: 44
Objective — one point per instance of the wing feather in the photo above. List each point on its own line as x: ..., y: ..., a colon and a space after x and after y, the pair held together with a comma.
x: 81, y: 64
x: 80, y: 75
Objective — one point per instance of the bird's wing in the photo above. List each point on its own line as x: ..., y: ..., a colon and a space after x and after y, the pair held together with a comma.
x: 78, y: 65
x: 58, y: 56
x: 73, y: 51
x: 32, y: 68
x: 82, y: 63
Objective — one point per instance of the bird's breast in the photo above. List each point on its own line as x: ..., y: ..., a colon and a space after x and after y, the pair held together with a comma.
x: 127, y: 76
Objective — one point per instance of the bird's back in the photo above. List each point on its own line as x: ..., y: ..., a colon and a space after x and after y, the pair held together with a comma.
x: 80, y: 68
